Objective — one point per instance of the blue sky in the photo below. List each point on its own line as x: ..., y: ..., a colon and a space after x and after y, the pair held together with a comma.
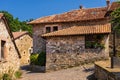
x: 26, y: 9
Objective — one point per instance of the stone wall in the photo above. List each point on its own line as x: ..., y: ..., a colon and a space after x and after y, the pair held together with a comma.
x: 10, y: 61
x: 101, y: 73
x: 68, y: 51
x: 116, y: 62
x: 68, y: 44
x: 38, y: 41
x: 39, y: 29
x: 24, y: 44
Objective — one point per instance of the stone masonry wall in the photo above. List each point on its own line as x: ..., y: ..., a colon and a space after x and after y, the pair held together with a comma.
x: 103, y: 74
x: 24, y: 44
x: 38, y: 41
x: 39, y: 29
x: 10, y: 62
x: 68, y: 51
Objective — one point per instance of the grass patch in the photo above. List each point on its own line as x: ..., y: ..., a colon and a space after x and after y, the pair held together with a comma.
x: 6, y: 77
x: 18, y: 74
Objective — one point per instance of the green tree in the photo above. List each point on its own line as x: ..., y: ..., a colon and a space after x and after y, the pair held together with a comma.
x: 17, y: 25
x: 115, y: 18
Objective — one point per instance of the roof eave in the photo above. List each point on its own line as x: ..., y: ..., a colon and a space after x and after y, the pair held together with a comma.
x: 67, y: 21
x: 73, y: 34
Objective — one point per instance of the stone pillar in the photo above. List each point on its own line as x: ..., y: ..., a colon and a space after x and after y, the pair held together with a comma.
x: 107, y: 45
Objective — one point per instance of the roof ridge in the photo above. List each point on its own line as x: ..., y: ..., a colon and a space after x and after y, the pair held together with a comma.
x: 70, y: 11
x: 73, y: 15
x: 18, y: 34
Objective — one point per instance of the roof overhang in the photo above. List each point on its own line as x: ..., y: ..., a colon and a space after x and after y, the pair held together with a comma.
x: 80, y: 30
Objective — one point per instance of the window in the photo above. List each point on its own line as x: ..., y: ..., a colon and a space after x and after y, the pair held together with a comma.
x: 55, y: 28
x: 48, y: 29
x: 2, y: 49
x: 93, y: 41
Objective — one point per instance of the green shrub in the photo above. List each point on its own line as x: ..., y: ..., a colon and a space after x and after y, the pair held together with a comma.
x: 94, y: 45
x: 6, y: 77
x: 33, y: 59
x: 42, y: 59
x: 38, y: 59
x: 18, y: 74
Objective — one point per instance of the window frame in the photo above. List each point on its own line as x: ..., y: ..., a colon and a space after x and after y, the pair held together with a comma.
x: 51, y: 26
x: 47, y: 31
x: 54, y: 28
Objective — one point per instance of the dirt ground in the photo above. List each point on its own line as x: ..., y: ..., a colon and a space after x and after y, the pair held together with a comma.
x: 76, y: 73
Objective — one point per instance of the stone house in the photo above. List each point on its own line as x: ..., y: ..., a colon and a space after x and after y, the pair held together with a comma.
x: 24, y: 41
x: 73, y: 37
x: 9, y: 54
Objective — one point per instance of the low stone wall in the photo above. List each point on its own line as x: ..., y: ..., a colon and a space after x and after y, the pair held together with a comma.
x: 106, y: 73
x: 116, y: 62
x: 57, y: 61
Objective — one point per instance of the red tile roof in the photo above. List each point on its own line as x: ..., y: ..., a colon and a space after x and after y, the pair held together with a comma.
x: 75, y: 15
x: 80, y: 30
x: 19, y: 34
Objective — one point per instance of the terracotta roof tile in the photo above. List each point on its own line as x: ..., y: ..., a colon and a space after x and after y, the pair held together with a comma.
x: 75, y: 15
x: 80, y: 30
x: 19, y: 34
x: 114, y: 6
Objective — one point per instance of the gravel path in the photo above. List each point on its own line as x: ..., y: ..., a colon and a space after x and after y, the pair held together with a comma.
x: 76, y: 73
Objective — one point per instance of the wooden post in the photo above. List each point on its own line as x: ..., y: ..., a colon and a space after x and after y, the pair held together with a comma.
x: 114, y: 50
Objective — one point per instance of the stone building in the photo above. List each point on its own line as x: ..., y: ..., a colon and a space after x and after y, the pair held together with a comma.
x: 103, y: 69
x: 24, y: 41
x: 74, y: 37
x: 9, y: 54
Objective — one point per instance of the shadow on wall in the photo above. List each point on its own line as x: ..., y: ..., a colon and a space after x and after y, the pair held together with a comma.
x: 33, y: 69
x: 91, y: 77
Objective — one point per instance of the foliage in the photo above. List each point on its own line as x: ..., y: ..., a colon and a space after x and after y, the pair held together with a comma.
x: 117, y: 1
x: 115, y: 15
x: 94, y: 45
x: 17, y: 25
x: 115, y: 20
x: 33, y: 58
x: 6, y: 77
x: 38, y: 59
x: 18, y: 74
x: 42, y: 58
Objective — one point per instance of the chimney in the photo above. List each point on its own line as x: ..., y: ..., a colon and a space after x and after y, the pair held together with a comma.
x: 108, y: 3
x: 81, y: 7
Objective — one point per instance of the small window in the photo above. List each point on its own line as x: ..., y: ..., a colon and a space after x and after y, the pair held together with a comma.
x: 48, y: 29
x: 55, y: 28
x: 2, y: 49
